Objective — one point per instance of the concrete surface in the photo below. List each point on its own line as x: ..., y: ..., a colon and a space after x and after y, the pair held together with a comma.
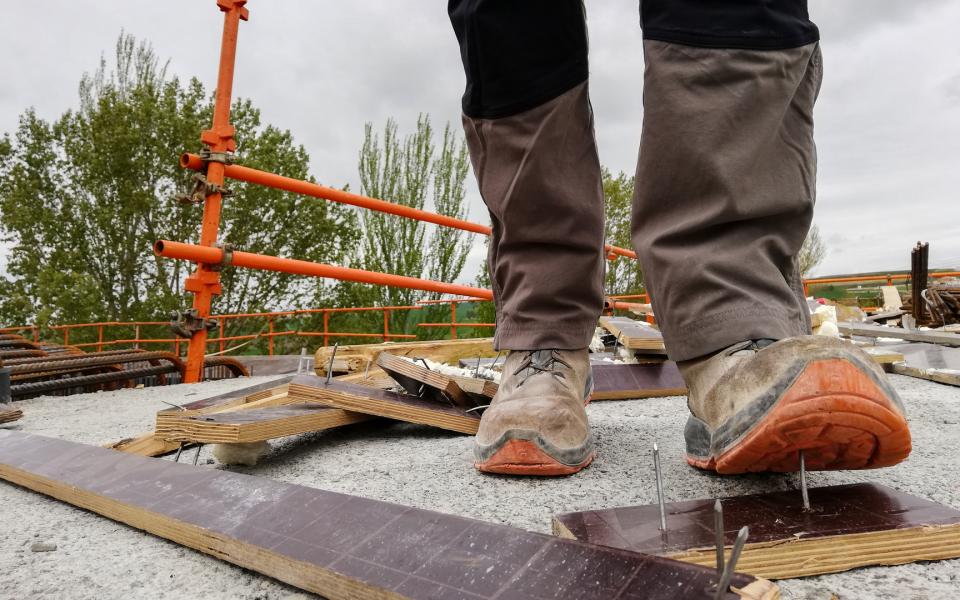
x: 419, y: 466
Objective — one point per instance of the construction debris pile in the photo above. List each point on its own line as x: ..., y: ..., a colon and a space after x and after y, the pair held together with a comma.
x: 38, y: 368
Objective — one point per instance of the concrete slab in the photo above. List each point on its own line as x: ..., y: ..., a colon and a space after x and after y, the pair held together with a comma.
x: 429, y: 468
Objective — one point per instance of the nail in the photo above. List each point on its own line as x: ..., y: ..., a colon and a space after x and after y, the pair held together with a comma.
x: 732, y: 565
x: 803, y: 483
x: 656, y: 468
x: 330, y: 364
x: 718, y: 532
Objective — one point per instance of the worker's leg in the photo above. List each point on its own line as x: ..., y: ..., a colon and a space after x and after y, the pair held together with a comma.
x: 529, y: 127
x: 724, y: 198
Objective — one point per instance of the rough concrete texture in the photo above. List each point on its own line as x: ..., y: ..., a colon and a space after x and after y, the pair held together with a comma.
x: 97, y: 558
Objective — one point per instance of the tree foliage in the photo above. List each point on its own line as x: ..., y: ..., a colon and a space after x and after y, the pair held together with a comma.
x: 624, y: 275
x: 813, y: 251
x: 83, y: 198
x: 410, y: 171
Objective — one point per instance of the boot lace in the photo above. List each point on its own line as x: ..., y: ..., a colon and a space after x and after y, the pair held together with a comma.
x: 536, y: 362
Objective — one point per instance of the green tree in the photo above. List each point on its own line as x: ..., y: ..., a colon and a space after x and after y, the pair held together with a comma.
x: 813, y: 251
x: 624, y: 275
x: 409, y: 171
x: 84, y: 197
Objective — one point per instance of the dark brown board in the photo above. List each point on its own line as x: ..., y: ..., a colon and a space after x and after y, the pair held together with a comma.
x: 621, y: 381
x: 777, y: 520
x: 340, y: 546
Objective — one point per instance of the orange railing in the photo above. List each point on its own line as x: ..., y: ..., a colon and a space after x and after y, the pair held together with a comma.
x: 111, y: 334
x: 889, y: 279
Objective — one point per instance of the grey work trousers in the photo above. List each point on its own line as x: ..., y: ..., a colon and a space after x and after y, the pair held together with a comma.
x: 724, y: 196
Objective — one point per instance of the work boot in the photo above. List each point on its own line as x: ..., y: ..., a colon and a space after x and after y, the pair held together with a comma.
x: 757, y: 404
x: 537, y: 421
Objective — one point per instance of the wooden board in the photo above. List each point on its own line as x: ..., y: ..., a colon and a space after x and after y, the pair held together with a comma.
x: 849, y: 526
x: 442, y: 351
x: 634, y: 335
x: 465, y: 392
x: 9, y: 415
x: 624, y: 382
x: 869, y: 330
x: 148, y: 444
x: 339, y: 546
x: 259, y: 424
x: 373, y: 401
x: 927, y: 361
x: 882, y: 355
x: 891, y: 298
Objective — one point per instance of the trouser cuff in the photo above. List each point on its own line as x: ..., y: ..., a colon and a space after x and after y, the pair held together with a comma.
x: 569, y: 335
x: 719, y: 330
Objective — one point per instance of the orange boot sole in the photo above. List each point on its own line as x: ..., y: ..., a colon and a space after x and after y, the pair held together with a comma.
x: 523, y: 457
x: 833, y: 412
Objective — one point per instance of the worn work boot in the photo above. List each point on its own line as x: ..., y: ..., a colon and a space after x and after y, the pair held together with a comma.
x: 537, y: 422
x: 756, y: 405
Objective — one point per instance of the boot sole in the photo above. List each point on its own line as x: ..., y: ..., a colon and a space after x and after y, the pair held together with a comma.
x: 524, y: 457
x: 834, y: 412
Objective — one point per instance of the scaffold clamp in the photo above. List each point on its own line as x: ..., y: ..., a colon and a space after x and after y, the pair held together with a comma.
x: 184, y: 324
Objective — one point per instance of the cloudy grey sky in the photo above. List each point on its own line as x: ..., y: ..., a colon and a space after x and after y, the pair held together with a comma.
x: 888, y: 121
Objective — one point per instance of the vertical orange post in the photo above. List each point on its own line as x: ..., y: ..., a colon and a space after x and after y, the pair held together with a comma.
x: 453, y: 320
x: 66, y: 336
x: 222, y: 333
x: 270, y: 338
x: 36, y: 334
x: 136, y: 337
x: 326, y: 328
x: 386, y: 325
x: 99, y: 338
x: 205, y: 281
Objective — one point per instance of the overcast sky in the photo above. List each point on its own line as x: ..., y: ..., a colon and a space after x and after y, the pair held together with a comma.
x: 888, y: 119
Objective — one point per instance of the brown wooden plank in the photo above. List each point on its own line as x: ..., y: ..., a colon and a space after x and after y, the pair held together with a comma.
x: 9, y: 415
x: 871, y: 330
x: 442, y: 351
x: 373, y: 401
x: 342, y: 547
x: 634, y: 335
x: 623, y: 382
x: 148, y: 444
x: 260, y: 424
x: 849, y: 526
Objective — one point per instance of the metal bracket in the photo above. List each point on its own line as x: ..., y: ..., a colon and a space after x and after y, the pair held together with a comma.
x: 227, y: 259
x: 207, y: 156
x: 185, y: 324
x: 200, y: 190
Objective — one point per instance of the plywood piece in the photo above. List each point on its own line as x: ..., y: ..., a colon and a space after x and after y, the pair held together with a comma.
x: 625, y: 381
x: 260, y: 424
x: 339, y: 546
x: 850, y: 526
x: 465, y: 392
x: 891, y: 298
x: 882, y: 355
x: 442, y: 351
x: 148, y: 444
x: 9, y: 415
x: 870, y: 330
x: 634, y: 335
x: 373, y: 401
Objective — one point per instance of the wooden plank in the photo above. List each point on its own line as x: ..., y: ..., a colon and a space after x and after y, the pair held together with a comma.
x: 148, y: 444
x: 373, y: 401
x: 465, y: 392
x: 931, y: 362
x: 624, y: 382
x: 442, y: 351
x: 9, y: 415
x: 891, y: 298
x: 882, y: 355
x: 869, y: 330
x: 850, y: 526
x: 339, y: 546
x: 260, y: 424
x: 634, y: 335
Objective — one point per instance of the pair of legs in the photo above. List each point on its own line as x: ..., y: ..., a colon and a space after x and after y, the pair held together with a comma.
x: 724, y: 196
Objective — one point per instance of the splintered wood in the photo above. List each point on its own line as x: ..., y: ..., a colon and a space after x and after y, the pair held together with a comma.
x: 849, y: 526
x: 634, y: 335
x: 9, y: 415
x: 345, y: 547
x: 352, y: 359
x: 465, y: 392
x: 373, y: 401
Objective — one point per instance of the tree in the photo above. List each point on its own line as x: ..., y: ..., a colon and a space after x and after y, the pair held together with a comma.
x: 82, y: 200
x: 624, y: 275
x: 812, y: 252
x: 408, y: 171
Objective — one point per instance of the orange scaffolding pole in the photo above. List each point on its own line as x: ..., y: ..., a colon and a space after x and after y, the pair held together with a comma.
x: 205, y: 281
x: 211, y: 256
x: 305, y: 188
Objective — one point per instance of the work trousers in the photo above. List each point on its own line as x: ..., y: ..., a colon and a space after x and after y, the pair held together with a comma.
x: 724, y: 190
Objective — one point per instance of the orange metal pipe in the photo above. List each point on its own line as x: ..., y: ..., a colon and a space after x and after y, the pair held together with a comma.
x: 213, y: 256
x: 315, y: 190
x: 325, y: 335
